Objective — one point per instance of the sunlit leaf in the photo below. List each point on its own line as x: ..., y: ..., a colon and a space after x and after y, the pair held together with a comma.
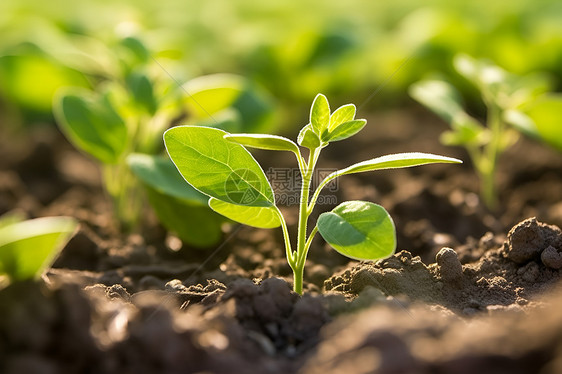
x: 395, y: 161
x: 263, y: 141
x: 320, y: 114
x: 344, y: 113
x: 261, y: 217
x: 546, y: 113
x: 308, y: 138
x: 360, y: 230
x: 345, y: 130
x: 91, y: 124
x: 439, y: 96
x: 29, y: 247
x: 217, y: 167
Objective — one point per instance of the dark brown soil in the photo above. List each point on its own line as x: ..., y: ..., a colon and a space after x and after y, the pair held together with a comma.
x: 468, y: 290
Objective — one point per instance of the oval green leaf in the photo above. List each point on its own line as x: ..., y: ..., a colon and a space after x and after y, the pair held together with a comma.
x: 210, y: 94
x: 440, y: 97
x: 263, y: 141
x: 142, y: 91
x: 345, y: 130
x: 546, y: 113
x: 320, y: 114
x: 193, y: 223
x: 217, y: 167
x: 160, y: 174
x: 261, y: 217
x: 28, y: 247
x: 359, y: 229
x: 91, y: 124
x: 344, y: 113
x: 308, y: 138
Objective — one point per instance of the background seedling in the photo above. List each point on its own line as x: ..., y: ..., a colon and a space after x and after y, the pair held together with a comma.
x: 217, y: 164
x: 512, y: 102
x: 120, y: 121
x: 27, y: 248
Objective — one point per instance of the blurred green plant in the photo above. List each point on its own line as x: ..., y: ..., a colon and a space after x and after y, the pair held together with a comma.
x: 28, y: 247
x: 513, y: 103
x: 120, y: 121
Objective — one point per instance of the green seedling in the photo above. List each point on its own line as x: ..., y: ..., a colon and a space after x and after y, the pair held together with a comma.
x: 513, y: 103
x: 27, y: 248
x: 217, y: 164
x: 121, y: 121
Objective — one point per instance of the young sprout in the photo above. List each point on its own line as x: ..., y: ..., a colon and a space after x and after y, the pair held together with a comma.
x: 509, y: 99
x: 218, y: 164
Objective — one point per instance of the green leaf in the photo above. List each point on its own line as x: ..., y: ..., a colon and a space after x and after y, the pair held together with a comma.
x: 344, y: 113
x: 142, y: 91
x: 193, y: 223
x: 345, y: 130
x: 160, y: 174
x: 308, y: 138
x: 521, y: 122
x: 546, y: 113
x: 261, y: 217
x: 396, y: 161
x: 210, y: 94
x: 137, y: 48
x: 217, y: 167
x: 320, y: 114
x: 439, y: 96
x: 263, y: 141
x: 91, y: 124
x: 359, y: 229
x: 466, y: 131
x: 29, y: 247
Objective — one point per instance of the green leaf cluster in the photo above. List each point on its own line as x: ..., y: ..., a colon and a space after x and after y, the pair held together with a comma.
x: 217, y: 164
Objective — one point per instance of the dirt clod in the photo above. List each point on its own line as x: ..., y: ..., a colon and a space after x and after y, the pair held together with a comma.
x: 449, y: 265
x: 552, y: 258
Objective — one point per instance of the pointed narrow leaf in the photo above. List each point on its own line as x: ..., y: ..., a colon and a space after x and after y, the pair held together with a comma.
x: 261, y: 217
x: 91, y: 124
x: 439, y: 96
x: 344, y: 113
x: 308, y: 138
x: 28, y: 247
x: 359, y: 229
x: 320, y: 114
x: 345, y: 130
x: 398, y: 160
x: 217, y: 167
x: 263, y: 141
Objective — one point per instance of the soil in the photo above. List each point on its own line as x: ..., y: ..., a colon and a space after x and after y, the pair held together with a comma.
x: 468, y: 290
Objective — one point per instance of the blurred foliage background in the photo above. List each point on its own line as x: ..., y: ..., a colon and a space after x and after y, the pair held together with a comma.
x: 289, y: 49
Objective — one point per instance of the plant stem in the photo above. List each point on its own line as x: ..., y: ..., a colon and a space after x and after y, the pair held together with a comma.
x: 492, y: 150
x: 298, y: 269
x: 121, y: 185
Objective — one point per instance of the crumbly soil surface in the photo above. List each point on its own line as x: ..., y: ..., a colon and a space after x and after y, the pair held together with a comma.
x: 468, y: 291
